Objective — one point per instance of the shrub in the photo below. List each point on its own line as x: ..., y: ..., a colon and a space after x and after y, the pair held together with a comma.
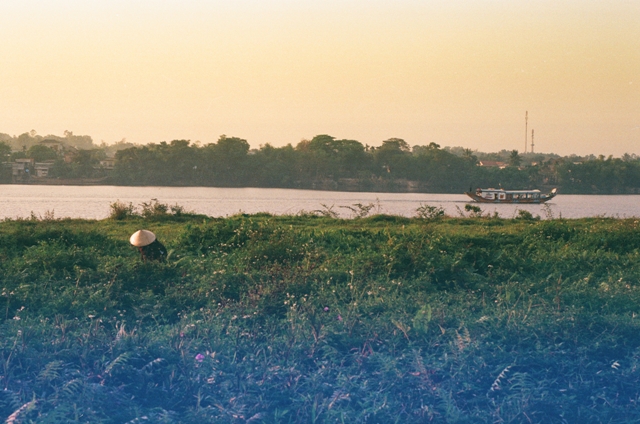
x: 526, y: 215
x: 429, y: 212
x: 177, y: 210
x: 474, y: 211
x: 120, y: 210
x: 360, y: 210
x: 327, y: 211
x: 154, y: 209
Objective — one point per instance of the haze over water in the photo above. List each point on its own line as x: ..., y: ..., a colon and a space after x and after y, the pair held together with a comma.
x: 457, y: 73
x: 93, y: 202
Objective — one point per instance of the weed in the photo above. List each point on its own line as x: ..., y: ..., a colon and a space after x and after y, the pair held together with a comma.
x: 327, y: 211
x: 429, y: 212
x: 120, y: 210
x: 473, y: 210
x: 153, y: 208
x: 525, y: 215
x: 359, y: 210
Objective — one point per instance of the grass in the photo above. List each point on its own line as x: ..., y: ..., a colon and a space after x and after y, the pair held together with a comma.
x: 275, y: 319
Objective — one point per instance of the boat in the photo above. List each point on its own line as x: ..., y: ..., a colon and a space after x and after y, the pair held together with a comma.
x: 499, y: 195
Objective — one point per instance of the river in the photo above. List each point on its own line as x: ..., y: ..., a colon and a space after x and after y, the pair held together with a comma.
x: 93, y: 202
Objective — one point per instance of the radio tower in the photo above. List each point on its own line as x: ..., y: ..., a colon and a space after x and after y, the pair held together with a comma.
x: 526, y: 118
x: 532, y: 141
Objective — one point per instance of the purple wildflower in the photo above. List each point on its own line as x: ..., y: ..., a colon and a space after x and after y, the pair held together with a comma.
x: 199, y: 357
x: 339, y: 317
x: 326, y: 309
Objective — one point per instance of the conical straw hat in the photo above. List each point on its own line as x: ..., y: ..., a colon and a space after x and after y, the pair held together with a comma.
x: 142, y: 238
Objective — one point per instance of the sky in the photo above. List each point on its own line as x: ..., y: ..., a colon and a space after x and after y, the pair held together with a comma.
x: 452, y: 72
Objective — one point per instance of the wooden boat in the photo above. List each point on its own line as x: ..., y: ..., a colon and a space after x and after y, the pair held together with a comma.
x: 493, y: 195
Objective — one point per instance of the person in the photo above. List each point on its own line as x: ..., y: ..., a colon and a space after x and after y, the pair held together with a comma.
x: 149, y: 247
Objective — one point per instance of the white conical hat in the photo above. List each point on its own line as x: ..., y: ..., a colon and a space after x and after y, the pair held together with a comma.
x: 142, y: 238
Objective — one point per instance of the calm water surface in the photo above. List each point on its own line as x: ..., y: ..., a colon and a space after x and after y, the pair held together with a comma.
x: 93, y: 202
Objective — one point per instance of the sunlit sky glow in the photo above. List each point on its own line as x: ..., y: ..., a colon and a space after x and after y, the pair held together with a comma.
x: 453, y: 72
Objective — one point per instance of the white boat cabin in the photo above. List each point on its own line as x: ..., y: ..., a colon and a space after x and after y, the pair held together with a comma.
x: 500, y: 194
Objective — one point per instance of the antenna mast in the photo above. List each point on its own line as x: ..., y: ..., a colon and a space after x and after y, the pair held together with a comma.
x: 531, y: 140
x: 526, y: 119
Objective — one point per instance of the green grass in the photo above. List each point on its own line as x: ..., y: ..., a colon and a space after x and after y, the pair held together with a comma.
x: 314, y: 319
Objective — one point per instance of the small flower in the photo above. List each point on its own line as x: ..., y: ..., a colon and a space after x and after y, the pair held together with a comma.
x: 199, y: 357
x: 181, y: 334
x: 326, y: 309
x: 339, y: 317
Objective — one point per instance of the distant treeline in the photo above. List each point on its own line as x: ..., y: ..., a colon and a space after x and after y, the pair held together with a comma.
x: 325, y: 162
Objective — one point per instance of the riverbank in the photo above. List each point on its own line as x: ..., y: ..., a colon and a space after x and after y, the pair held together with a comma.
x: 307, y: 318
x: 64, y: 181
x: 346, y: 185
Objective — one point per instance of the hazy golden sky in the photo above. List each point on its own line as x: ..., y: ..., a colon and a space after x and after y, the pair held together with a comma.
x: 457, y: 73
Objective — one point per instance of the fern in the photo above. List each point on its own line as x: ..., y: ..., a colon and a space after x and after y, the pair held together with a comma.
x: 10, y: 399
x: 496, y: 383
x: 522, y: 382
x: 50, y: 372
x: 121, y: 361
x: 73, y: 387
x: 148, y: 368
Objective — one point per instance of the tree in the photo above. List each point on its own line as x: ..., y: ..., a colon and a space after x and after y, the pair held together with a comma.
x: 27, y: 140
x: 83, y: 164
x: 397, y: 145
x: 323, y: 144
x: 514, y: 158
x: 5, y: 151
x: 41, y: 153
x: 468, y: 155
x: 78, y: 141
x: 273, y: 166
x: 331, y: 158
x: 392, y: 157
x: 350, y: 158
x: 316, y: 158
x: 226, y: 160
x: 233, y: 148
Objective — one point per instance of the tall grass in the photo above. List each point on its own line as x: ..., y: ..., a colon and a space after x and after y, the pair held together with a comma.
x: 316, y: 319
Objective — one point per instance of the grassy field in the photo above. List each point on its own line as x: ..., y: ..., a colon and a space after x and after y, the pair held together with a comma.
x: 310, y: 319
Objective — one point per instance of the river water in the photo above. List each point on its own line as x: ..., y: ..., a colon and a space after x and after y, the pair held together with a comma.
x: 93, y: 202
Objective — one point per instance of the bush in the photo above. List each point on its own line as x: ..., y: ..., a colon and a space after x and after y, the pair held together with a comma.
x: 526, y: 215
x: 474, y: 211
x: 154, y: 209
x: 120, y: 210
x: 429, y: 212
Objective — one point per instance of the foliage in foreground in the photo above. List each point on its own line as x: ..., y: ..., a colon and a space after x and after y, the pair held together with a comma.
x: 313, y: 319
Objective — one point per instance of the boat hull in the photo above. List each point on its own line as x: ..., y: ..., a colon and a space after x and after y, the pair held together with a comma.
x: 511, y: 197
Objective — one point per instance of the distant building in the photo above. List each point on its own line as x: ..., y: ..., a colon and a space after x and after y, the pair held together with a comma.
x: 21, y: 169
x: 41, y: 169
x: 26, y: 161
x: 108, y: 163
x: 492, y: 164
